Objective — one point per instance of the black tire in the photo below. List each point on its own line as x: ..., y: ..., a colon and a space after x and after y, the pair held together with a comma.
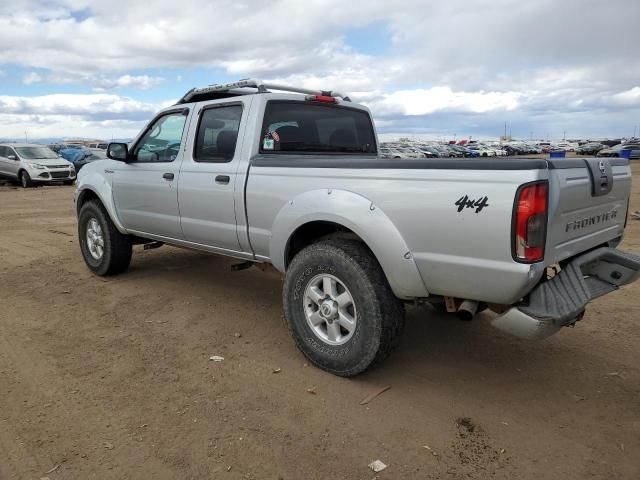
x: 25, y: 179
x: 117, y: 249
x: 379, y: 317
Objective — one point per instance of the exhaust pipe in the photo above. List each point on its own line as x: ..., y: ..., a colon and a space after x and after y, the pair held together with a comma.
x: 467, y: 310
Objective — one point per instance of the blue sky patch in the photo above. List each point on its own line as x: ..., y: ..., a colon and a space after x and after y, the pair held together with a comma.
x: 372, y: 39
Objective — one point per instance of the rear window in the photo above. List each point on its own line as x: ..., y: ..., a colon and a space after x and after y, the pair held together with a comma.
x: 316, y: 128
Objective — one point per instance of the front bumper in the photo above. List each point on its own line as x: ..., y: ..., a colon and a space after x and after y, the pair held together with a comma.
x: 561, y: 300
x: 50, y: 176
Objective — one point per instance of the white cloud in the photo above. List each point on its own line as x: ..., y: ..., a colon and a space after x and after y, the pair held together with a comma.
x: 629, y: 97
x: 74, y: 114
x: 542, y: 62
x: 427, y: 101
x: 141, y: 82
x: 73, y: 104
x: 31, y: 78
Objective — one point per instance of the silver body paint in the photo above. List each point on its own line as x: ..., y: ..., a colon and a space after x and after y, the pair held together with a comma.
x: 407, y: 216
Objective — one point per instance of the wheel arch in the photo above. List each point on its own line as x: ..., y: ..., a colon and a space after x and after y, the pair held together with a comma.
x: 87, y: 193
x: 319, y: 214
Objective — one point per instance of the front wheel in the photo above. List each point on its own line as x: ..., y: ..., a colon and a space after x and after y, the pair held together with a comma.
x: 25, y: 179
x: 105, y: 250
x: 339, y: 307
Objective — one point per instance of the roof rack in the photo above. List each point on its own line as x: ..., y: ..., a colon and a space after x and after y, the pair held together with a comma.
x: 224, y: 90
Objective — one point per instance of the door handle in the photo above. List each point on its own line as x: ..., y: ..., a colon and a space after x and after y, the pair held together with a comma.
x: 168, y: 176
x: 222, y: 179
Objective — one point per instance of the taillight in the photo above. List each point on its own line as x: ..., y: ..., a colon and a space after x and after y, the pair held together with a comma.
x: 530, y: 222
x: 321, y: 98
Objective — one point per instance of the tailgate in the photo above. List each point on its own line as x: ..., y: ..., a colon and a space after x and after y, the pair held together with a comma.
x: 588, y: 201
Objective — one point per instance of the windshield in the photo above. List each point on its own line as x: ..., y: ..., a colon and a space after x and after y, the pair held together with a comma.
x: 32, y: 153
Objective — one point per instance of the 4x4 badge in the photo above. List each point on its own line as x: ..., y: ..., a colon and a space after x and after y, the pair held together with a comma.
x: 466, y: 202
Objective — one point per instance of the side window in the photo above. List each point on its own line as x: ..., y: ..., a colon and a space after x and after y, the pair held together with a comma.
x: 217, y: 134
x: 162, y: 141
x: 3, y: 151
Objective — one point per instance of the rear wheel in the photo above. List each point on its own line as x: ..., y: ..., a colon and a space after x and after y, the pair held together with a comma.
x: 339, y: 307
x: 25, y: 179
x: 105, y: 250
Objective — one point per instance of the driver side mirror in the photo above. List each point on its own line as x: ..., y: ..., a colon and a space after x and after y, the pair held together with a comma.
x: 12, y: 157
x: 118, y: 151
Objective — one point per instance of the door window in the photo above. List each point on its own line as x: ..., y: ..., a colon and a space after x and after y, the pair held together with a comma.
x: 217, y: 134
x: 161, y: 142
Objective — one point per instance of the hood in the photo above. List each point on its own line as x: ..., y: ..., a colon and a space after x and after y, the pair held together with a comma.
x: 48, y: 162
x: 95, y: 166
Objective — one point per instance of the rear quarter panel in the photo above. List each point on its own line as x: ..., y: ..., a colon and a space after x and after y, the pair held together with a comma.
x: 457, y: 253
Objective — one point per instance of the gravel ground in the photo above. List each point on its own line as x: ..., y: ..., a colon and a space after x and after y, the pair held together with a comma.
x: 111, y: 378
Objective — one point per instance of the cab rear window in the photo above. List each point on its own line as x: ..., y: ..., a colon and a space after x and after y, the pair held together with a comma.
x: 308, y: 127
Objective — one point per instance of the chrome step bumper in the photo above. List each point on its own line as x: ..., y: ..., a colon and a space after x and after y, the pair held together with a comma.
x: 558, y: 302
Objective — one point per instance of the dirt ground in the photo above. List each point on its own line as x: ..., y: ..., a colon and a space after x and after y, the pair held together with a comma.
x: 111, y: 378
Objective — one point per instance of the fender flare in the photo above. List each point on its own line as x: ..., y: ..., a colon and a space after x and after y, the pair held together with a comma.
x: 359, y: 215
x: 100, y: 187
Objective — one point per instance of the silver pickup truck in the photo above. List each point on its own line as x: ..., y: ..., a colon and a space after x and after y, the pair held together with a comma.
x: 291, y: 177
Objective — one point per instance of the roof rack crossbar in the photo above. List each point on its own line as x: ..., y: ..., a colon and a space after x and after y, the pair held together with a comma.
x: 261, y: 86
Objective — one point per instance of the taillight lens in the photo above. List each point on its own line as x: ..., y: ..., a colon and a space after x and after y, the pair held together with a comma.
x: 530, y: 222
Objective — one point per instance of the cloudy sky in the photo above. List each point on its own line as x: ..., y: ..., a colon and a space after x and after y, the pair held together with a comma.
x: 440, y: 68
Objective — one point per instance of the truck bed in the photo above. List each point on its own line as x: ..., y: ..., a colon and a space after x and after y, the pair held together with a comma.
x: 455, y: 250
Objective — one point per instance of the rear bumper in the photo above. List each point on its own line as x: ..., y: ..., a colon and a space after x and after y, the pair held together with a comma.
x: 558, y: 302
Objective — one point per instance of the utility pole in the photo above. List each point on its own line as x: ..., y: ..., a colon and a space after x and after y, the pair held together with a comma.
x: 564, y: 136
x: 26, y: 138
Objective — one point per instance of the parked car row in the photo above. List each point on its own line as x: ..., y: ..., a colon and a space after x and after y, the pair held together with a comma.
x: 425, y: 150
x: 33, y: 164
x: 78, y: 154
x: 452, y: 150
x: 591, y: 148
x: 618, y: 151
x: 416, y: 149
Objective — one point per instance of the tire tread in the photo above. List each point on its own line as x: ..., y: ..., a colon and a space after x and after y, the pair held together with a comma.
x: 390, y: 309
x: 120, y: 247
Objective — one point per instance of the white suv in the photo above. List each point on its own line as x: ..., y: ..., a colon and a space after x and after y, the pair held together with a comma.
x: 32, y: 164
